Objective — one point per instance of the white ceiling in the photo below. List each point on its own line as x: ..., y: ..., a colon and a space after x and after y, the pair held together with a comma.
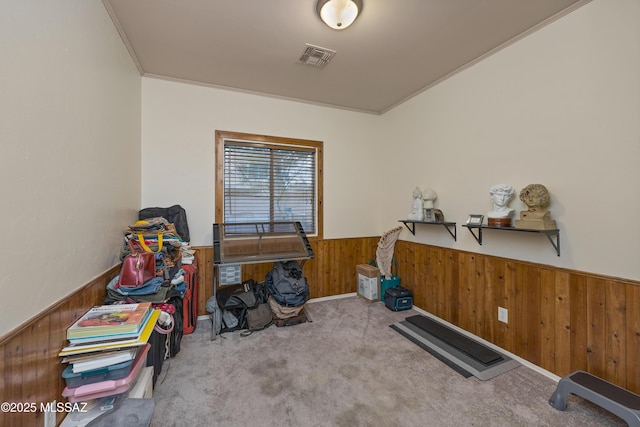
x: 395, y: 49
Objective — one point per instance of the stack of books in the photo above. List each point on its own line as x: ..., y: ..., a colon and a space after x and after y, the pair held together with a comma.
x: 107, y: 350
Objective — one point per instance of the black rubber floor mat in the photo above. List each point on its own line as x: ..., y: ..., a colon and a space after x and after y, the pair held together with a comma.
x: 474, y: 349
x: 435, y: 354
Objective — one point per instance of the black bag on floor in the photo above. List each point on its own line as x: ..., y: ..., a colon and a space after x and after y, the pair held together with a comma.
x: 398, y: 298
x: 234, y: 302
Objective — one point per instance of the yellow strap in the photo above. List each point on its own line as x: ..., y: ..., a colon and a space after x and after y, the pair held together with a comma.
x: 147, y: 248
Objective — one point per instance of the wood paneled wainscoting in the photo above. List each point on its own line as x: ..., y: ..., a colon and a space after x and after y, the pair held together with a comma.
x: 560, y: 320
x: 332, y: 271
x: 30, y: 369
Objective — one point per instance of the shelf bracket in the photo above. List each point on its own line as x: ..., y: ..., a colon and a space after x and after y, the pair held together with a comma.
x: 556, y: 244
x: 411, y: 229
x: 449, y: 226
x: 478, y: 236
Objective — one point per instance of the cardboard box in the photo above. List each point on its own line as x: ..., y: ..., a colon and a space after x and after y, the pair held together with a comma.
x: 368, y: 282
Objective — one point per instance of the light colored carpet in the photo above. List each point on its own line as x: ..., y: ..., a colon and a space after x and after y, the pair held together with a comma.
x: 346, y: 368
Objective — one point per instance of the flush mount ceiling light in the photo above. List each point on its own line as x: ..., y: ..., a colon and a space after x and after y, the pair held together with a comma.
x: 338, y: 14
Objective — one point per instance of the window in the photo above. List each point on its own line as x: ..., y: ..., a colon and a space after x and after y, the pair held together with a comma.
x: 268, y: 179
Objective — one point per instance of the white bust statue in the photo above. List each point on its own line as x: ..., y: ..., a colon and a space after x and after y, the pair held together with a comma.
x: 416, y: 213
x: 428, y: 196
x: 501, y: 194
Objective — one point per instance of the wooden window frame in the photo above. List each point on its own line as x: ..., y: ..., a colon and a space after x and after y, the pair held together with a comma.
x: 221, y: 136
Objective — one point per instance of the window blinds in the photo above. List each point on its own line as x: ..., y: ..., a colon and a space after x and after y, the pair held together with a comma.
x: 269, y: 183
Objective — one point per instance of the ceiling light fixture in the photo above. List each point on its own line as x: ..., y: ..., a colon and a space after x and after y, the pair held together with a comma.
x: 338, y: 14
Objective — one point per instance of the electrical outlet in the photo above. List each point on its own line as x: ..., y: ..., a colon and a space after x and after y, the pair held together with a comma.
x: 50, y: 416
x: 503, y: 315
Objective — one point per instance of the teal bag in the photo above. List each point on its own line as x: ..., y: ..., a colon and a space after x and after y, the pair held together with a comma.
x: 385, y: 283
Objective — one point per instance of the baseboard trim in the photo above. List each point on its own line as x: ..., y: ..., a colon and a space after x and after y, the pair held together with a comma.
x: 311, y: 301
x: 464, y: 332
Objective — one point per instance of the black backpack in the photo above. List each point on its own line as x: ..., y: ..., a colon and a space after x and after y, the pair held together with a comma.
x: 287, y: 284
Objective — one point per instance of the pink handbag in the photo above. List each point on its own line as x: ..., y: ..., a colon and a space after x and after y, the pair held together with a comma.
x: 137, y: 268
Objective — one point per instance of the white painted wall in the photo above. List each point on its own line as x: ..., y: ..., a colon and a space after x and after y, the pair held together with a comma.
x: 560, y: 107
x: 70, y: 150
x: 178, y: 143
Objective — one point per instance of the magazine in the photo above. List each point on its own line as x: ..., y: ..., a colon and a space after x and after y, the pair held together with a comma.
x: 110, y: 319
x: 99, y: 347
x: 108, y: 338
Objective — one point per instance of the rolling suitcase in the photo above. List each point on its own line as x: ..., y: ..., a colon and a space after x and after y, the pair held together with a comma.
x: 155, y: 356
x: 175, y: 337
x: 398, y: 298
x: 190, y: 299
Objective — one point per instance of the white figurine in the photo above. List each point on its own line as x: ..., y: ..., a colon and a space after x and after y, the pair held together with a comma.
x: 416, y: 213
x: 501, y: 194
x: 428, y: 196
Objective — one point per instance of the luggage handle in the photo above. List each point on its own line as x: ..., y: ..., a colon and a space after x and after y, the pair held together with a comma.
x: 146, y: 247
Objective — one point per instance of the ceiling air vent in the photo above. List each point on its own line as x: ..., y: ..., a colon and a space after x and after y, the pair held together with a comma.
x: 316, y: 56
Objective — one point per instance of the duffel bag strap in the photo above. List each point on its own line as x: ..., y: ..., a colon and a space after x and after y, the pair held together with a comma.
x: 146, y: 247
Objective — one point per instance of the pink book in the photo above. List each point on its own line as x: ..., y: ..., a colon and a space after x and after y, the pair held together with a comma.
x: 108, y: 387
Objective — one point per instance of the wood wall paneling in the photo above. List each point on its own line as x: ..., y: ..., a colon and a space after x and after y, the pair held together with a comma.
x: 547, y: 319
x: 632, y: 337
x: 518, y: 291
x: 332, y: 271
x: 30, y: 371
x: 494, y: 298
x: 562, y: 324
x: 421, y: 283
x: 596, y: 324
x: 479, y: 292
x: 466, y: 293
x: 559, y: 319
x: 528, y: 294
x: 451, y: 287
x: 615, y: 318
x: 579, y: 319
